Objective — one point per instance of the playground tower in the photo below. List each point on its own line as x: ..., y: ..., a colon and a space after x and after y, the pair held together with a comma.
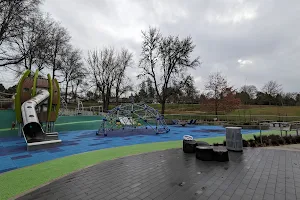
x: 37, y: 103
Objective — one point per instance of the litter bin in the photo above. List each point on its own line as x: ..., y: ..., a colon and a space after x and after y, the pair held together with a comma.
x: 234, y: 139
x: 188, y: 144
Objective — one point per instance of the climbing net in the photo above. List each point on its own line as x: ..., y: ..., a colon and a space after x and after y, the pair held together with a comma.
x: 133, y: 117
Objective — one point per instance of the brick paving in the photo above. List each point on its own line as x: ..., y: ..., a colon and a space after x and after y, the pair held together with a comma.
x: 172, y: 175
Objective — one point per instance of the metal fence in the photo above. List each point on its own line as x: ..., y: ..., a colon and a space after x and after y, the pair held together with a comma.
x: 233, y: 118
x: 6, y: 103
x: 199, y: 117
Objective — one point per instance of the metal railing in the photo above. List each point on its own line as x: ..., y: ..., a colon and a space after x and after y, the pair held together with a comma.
x: 233, y: 118
x: 199, y: 117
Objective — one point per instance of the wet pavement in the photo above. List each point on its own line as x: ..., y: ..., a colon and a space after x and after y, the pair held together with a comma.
x: 257, y: 173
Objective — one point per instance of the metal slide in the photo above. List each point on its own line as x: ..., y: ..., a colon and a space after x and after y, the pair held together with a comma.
x: 32, y: 129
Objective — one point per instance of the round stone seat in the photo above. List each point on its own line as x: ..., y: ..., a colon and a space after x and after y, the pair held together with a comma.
x: 201, y: 143
x: 189, y: 146
x: 220, y: 154
x: 204, y: 153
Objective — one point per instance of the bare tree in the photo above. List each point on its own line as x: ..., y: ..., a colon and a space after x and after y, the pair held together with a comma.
x: 76, y: 84
x: 216, y: 84
x: 251, y: 90
x: 173, y: 55
x: 102, y: 66
x: 59, y: 40
x: 122, y: 84
x: 13, y: 16
x: 71, y: 68
x: 272, y: 88
x: 32, y: 42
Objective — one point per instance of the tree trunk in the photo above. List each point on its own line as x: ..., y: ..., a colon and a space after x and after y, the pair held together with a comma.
x: 103, y: 101
x: 163, y: 106
x: 30, y: 63
x: 117, y: 96
x: 66, y: 92
x: 216, y: 107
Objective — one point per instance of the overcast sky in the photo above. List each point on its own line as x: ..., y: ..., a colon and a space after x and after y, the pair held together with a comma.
x: 250, y: 42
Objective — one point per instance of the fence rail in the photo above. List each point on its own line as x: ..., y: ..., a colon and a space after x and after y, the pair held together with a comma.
x: 233, y: 118
x: 200, y: 117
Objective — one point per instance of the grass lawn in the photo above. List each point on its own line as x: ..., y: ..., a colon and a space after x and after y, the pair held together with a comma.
x: 268, y: 110
x: 21, y: 180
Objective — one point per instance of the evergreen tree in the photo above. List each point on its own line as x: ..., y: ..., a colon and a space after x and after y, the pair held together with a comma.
x: 143, y: 93
x: 150, y: 88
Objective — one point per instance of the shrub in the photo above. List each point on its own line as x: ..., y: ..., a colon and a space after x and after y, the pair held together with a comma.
x: 266, y: 143
x: 281, y: 141
x: 245, y: 143
x: 224, y: 143
x: 256, y: 138
x: 286, y: 140
x: 260, y: 145
x: 297, y: 138
x: 264, y: 138
x: 252, y: 143
x: 293, y: 140
x: 275, y: 142
x: 274, y: 137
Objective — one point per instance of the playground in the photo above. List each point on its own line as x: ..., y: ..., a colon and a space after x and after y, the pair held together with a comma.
x: 45, y: 143
x: 14, y: 154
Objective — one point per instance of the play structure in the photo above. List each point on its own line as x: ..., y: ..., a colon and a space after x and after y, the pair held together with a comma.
x: 37, y: 103
x: 132, y: 118
x: 80, y: 109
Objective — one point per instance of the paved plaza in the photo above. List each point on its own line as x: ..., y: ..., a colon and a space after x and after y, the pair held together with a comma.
x: 257, y: 173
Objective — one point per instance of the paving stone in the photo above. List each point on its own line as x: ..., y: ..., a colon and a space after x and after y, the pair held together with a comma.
x: 246, y: 197
x: 256, y: 174
x: 268, y: 197
x: 279, y: 196
x: 289, y: 196
x: 257, y: 197
x: 224, y: 197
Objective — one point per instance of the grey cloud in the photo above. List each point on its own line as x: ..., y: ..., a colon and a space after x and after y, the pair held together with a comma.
x: 263, y: 31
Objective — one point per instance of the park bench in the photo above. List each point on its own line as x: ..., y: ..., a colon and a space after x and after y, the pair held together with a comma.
x: 289, y: 127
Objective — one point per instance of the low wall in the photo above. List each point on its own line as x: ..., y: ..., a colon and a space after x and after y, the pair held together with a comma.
x: 6, y: 118
x: 63, y: 123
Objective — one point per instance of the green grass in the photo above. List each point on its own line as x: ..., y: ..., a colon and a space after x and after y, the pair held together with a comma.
x: 268, y: 110
x: 21, y: 180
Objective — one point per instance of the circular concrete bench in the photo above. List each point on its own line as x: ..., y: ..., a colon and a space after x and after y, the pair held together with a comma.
x: 201, y: 143
x: 189, y: 146
x: 204, y: 153
x: 220, y: 154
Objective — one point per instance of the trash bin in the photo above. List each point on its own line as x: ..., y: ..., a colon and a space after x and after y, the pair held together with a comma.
x: 188, y: 144
x: 234, y: 139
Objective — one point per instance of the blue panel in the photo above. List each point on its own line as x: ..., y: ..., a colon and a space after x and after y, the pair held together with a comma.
x: 6, y: 163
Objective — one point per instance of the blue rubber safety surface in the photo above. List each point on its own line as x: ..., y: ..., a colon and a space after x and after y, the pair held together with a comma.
x: 13, y: 153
